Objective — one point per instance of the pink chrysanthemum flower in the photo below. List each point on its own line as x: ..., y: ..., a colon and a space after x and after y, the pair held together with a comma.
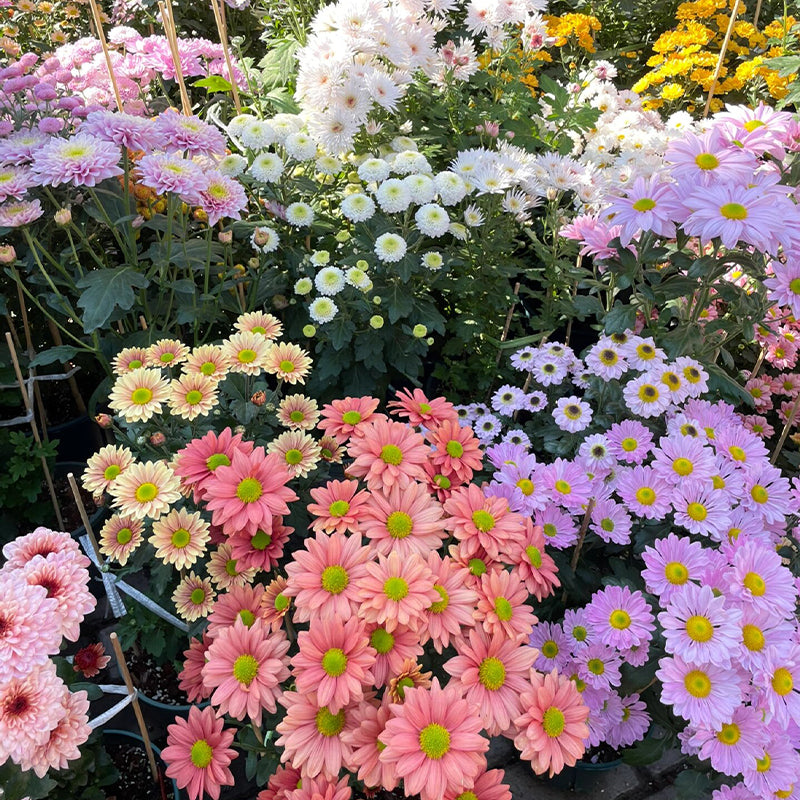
x: 331, y: 450
x: 643, y: 492
x: 166, y: 353
x: 241, y: 602
x: 620, y: 618
x: 145, y: 489
x: 209, y: 360
x: 180, y: 537
x: 776, y: 770
x: 419, y: 411
x: 530, y: 561
x: 315, y: 740
x: 396, y: 591
x: 487, y: 786
x: 493, y: 673
x: 759, y: 579
x: 138, y: 395
x: 260, y: 550
x: 274, y: 603
x: 502, y: 606
x: 671, y: 563
x: 392, y: 651
x: 778, y: 682
x: 342, y: 418
x: 190, y: 678
x: 129, y: 359
x: 281, y: 784
x: 338, y: 507
x: 298, y: 451
x: 456, y: 451
x: 387, y: 453
x: 599, y: 665
x: 324, y: 578
x: 41, y: 542
x: 245, y: 668
x: 701, y: 509
x: 553, y: 727
x: 246, y: 352
x: 649, y: 204
x: 120, y: 536
x: 193, y: 597
x: 298, y: 412
x: 198, y: 753
x: 630, y: 441
x: 434, y: 741
x: 567, y: 483
x: 320, y: 788
x: 190, y: 134
x: 479, y: 521
x: 196, y: 463
x: 679, y: 459
x: 80, y: 160
x: 335, y: 659
x: 17, y: 213
x: 288, y: 362
x: 736, y: 742
x: 169, y: 172
x: 646, y: 396
x: 259, y: 322
x: 104, y: 467
x: 767, y: 492
x: 192, y: 396
x: 708, y: 158
x: 632, y: 727
x: 364, y: 738
x: 225, y: 571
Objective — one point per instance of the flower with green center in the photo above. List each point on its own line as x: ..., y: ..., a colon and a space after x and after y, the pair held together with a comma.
x: 382, y: 641
x: 434, y: 741
x: 329, y: 724
x: 146, y: 492
x: 550, y: 649
x: 124, y: 535
x: 483, y: 520
x: 334, y: 662
x: 503, y: 609
x: 249, y: 490
x: 334, y: 579
x: 198, y: 596
x: 399, y: 524
x: 454, y: 449
x: 553, y: 722
x: 201, y: 754
x: 395, y: 588
x: 180, y: 538
x: 247, y: 617
x: 492, y: 673
x: 111, y: 471
x: 439, y: 606
x: 391, y: 454
x: 338, y: 508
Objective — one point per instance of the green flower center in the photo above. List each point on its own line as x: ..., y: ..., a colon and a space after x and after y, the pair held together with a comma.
x: 550, y: 649
x: 381, y: 640
x: 351, y: 417
x: 334, y: 662
x: 503, y: 609
x: 194, y: 397
x: 492, y: 673
x: 442, y: 481
x: 297, y: 416
x: 644, y: 204
x: 477, y: 567
x: 330, y: 724
x: 440, y: 605
x: 124, y: 535
x: 399, y: 524
x: 201, y: 754
x: 579, y: 633
x: 287, y: 366
x: 261, y: 541
x: 794, y: 286
x: 534, y: 556
x: 733, y: 211
x: 230, y: 567
x: 697, y: 683
x: 338, y: 508
x: 620, y: 619
x: 141, y: 396
x: 434, y: 741
x: 607, y: 524
x: 245, y: 669
x: 395, y: 588
x: 293, y: 456
x: 454, y: 449
x: 246, y: 356
x: 706, y: 161
x: 595, y: 666
x: 111, y: 472
x: 676, y: 573
x: 553, y: 722
x: 335, y: 579
x: 391, y: 454
x: 217, y: 460
x: 135, y: 364
x: 281, y: 602
x: 249, y: 490
x: 755, y: 583
x: 146, y: 492
x: 699, y: 628
x: 208, y: 368
x: 247, y: 617
x: 180, y: 538
x: 425, y: 408
x: 549, y: 529
x: 483, y: 520
x: 198, y: 596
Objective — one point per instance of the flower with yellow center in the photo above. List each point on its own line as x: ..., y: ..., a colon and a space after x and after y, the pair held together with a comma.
x: 137, y: 395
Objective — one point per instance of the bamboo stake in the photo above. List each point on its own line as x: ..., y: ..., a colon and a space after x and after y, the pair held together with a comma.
x: 73, y: 384
x: 222, y: 30
x: 143, y: 322
x: 721, y: 59
x: 759, y: 362
x: 126, y: 676
x: 13, y: 331
x: 26, y: 328
x: 757, y: 14
x: 35, y: 430
x: 786, y: 428
x: 507, y: 326
x: 98, y: 21
x: 168, y: 21
x: 85, y: 518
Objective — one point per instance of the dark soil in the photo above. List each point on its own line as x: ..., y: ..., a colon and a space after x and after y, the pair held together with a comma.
x: 135, y: 780
x: 158, y: 681
x: 66, y: 501
x: 603, y: 754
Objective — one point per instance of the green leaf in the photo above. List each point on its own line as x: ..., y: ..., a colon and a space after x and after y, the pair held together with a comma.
x: 60, y: 354
x: 279, y: 63
x: 785, y: 65
x: 587, y: 305
x: 214, y: 83
x: 93, y: 691
x: 105, y: 291
x: 648, y: 751
x: 620, y: 318
x: 692, y: 785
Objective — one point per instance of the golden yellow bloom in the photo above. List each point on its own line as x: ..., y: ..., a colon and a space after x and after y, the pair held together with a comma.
x: 671, y: 91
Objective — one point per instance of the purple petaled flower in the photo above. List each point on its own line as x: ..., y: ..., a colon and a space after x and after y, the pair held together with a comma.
x: 20, y: 147
x: 649, y: 205
x: 634, y: 724
x: 736, y: 792
x: 164, y: 173
x: 598, y: 665
x: 643, y: 492
x: 486, y: 427
x: 14, y: 182
x: 549, y: 371
x: 701, y: 509
x: 680, y: 458
x: 671, y: 563
x: 619, y: 617
x: 768, y: 493
x: 508, y: 399
x: 572, y: 414
x: 189, y: 135
x: 778, y: 684
x: 566, y: 483
x: 222, y: 197
x: 646, y: 396
x: 709, y: 158
x: 758, y: 578
x: 19, y: 212
x: 734, y: 744
x: 528, y: 492
x: 554, y: 652
x: 559, y: 528
x: 123, y: 130
x: 776, y: 769
x: 575, y: 629
x: 784, y: 284
x: 606, y: 361
x: 80, y: 160
x: 523, y: 359
x: 596, y: 453
x: 630, y: 441
x: 611, y: 522
x: 535, y: 401
x: 507, y: 453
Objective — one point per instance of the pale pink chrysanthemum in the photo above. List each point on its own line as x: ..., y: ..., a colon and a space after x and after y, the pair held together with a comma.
x: 298, y: 451
x: 487, y: 786
x: 274, y: 603
x: 180, y: 537
x: 104, y: 467
x: 249, y: 492
x: 259, y: 322
x: 456, y: 451
x: 90, y: 660
x: 396, y: 591
x: 241, y: 602
x: 475, y: 564
x: 281, y: 784
x: 80, y: 160
x: 245, y: 668
x: 198, y: 753
x: 288, y: 362
x: 553, y: 727
x: 193, y: 597
x: 129, y: 359
x: 494, y: 671
x: 137, y: 395
x: 502, y: 605
x: 530, y: 561
x: 188, y: 134
x: 331, y: 450
x: 388, y: 453
x: 246, y: 352
x: 370, y: 721
x: 298, y: 412
x: 17, y: 213
x: 320, y: 788
x: 314, y: 739
x: 190, y: 678
x: 344, y: 418
x: 434, y: 741
x: 221, y: 197
x: 209, y: 360
x: 403, y: 520
x: 193, y: 395
x: 324, y: 577
x: 260, y: 550
x: 166, y: 353
x: 335, y: 659
x: 225, y: 571
x: 119, y: 537
x: 338, y: 507
x: 393, y: 650
x: 41, y: 542
x: 145, y: 489
x: 419, y: 411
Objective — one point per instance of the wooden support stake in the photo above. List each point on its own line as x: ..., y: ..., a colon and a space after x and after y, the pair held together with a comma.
x: 168, y: 21
x: 35, y: 431
x: 786, y: 428
x: 222, y: 30
x: 721, y: 59
x: 98, y: 21
x: 758, y: 14
x: 507, y: 326
x: 26, y: 328
x: 126, y: 676
x: 85, y: 518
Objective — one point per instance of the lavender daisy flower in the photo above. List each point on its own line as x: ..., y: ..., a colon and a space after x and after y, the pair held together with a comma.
x: 632, y: 727
x: 20, y: 147
x: 645, y: 396
x: 549, y: 371
x: 189, y: 135
x: 606, y: 361
x: 169, y: 172
x: 778, y: 682
x: 123, y: 130
x: 523, y: 359
x: 671, y: 563
x: 598, y: 665
x: 525, y: 489
x: 643, y: 492
x: 19, y: 212
x: 596, y: 453
x: 630, y: 441
x: 768, y: 492
x: 486, y: 427
x: 507, y: 453
x: 552, y: 645
x: 535, y: 401
x: 740, y: 446
x: 567, y: 484
x: 758, y: 578
x: 572, y: 414
x: 558, y: 527
x: 761, y: 632
x: 701, y: 509
x: 619, y: 617
x: 80, y: 160
x: 516, y: 436
x: 681, y: 458
x: 574, y: 625
x: 508, y: 399
x: 733, y: 744
x: 604, y: 712
x: 611, y: 522
x: 650, y: 204
x: 776, y: 770
x: 222, y: 197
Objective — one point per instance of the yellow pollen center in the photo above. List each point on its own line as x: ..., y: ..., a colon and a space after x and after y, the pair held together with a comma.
x: 753, y: 638
x: 217, y: 460
x: 525, y: 485
x: 338, y: 508
x: 733, y: 211
x: 783, y: 793
x: 146, y: 492
x: 629, y: 445
x: 330, y: 724
x: 759, y: 494
x: 249, y: 490
x: 782, y: 681
x: 503, y: 609
x: 124, y: 535
x: 729, y: 734
x: 141, y: 396
x: 246, y: 356
x: 763, y: 764
x: 553, y: 722
x: 399, y: 524
x: 620, y: 619
x: 334, y: 579
x: 440, y: 605
x: 683, y: 466
x: 334, y: 662
x: 492, y: 673
x: 454, y: 449
x: 562, y: 487
x: 755, y: 583
x: 676, y: 573
x: 180, y: 538
x: 351, y: 417
x: 644, y: 204
x: 706, y: 161
x: 737, y: 454
x: 646, y: 496
x: 579, y: 633
x: 395, y: 588
x: 699, y: 628
x: 718, y: 482
x: 752, y: 124
x: 697, y: 683
x: 434, y: 741
x: 697, y: 511
x: 391, y: 454
x: 201, y: 754
x: 483, y: 520
x: 287, y: 366
x: 550, y: 649
x: 245, y: 669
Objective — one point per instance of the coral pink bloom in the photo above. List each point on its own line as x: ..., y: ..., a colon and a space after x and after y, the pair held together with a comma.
x: 281, y: 783
x: 90, y: 660
x: 321, y: 789
x: 338, y: 507
x: 434, y: 740
x: 198, y: 753
x: 444, y: 619
x: 249, y: 492
x: 245, y: 668
x: 313, y: 738
x: 370, y: 721
x: 439, y: 484
x: 190, y: 678
x: 393, y: 650
x: 261, y: 550
x: 493, y: 673
x: 344, y: 418
x: 456, y: 451
x: 396, y: 591
x: 553, y: 727
x: 242, y: 602
x: 388, y: 453
x: 41, y: 542
x: 335, y: 661
x: 274, y: 603
x: 324, y: 577
x: 530, y: 561
x: 403, y: 521
x: 477, y: 520
x: 419, y: 411
x: 502, y: 606
x: 488, y: 786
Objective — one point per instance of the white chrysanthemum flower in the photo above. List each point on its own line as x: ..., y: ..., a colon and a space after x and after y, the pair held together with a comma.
x: 300, y: 214
x: 393, y: 196
x: 409, y: 162
x: 390, y: 247
x: 328, y: 165
x: 319, y: 258
x: 401, y: 143
x: 322, y: 310
x: 383, y: 89
x: 329, y: 281
x: 473, y: 216
x: 300, y: 146
x: 459, y: 231
x: 432, y: 220
x: 303, y: 286
x: 516, y: 202
x: 232, y: 166
x: 358, y: 207
x: 265, y: 239
x: 373, y: 169
x: 422, y: 188
x: 451, y: 188
x: 285, y: 125
x: 358, y: 278
x: 432, y: 261
x: 267, y: 167
x: 239, y: 123
x: 257, y: 135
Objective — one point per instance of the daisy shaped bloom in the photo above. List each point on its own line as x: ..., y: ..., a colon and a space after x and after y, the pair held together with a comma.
x: 260, y: 550
x: 446, y: 619
x: 768, y: 493
x: 646, y: 396
x: 630, y: 441
x: 324, y: 577
x: 249, y: 492
x: 649, y: 205
x: 784, y: 285
x: 129, y: 359
x: 392, y: 650
x: 434, y: 742
x: 574, y: 626
x: 643, y: 492
x: 703, y: 694
x: 119, y: 537
x: 567, y: 484
x: 298, y: 412
x: 241, y: 602
x: 778, y: 682
x: 479, y: 521
x: 632, y: 727
x: 281, y: 784
x: 455, y: 450
x: 137, y: 395
x: 549, y: 371
x: 559, y: 528
x: 776, y: 770
x: 246, y: 352
x: 698, y: 627
x: 193, y: 597
x: 415, y: 407
x: 192, y: 396
x: 733, y: 744
x: 225, y: 571
x: 502, y: 606
x: 404, y: 521
x: 740, y: 447
x: 145, y: 489
x: 387, y: 453
x: 671, y: 563
x: 90, y: 660
x: 487, y: 786
x: 620, y: 617
x: 209, y: 360
x: 605, y: 359
x: 80, y: 160
x: 198, y: 753
x: 410, y: 676
x: 287, y: 362
x: 274, y: 603
x: 314, y: 739
x: 344, y: 418
x: 370, y: 720
x: 759, y: 631
x: 396, y: 591
x: 338, y: 507
x: 335, y: 659
x: 709, y: 158
x: 166, y: 353
x: 320, y: 788
x: 494, y: 671
x: 759, y: 579
x: 572, y: 414
x: 693, y: 374
x: 701, y: 509
x: 190, y: 678
x: 530, y: 562
x: 598, y: 665
x: 298, y: 452
x: 552, y: 646
x: 683, y: 458
x: 521, y: 484
x: 180, y: 537
x: 104, y: 467
x: 553, y: 725
x: 611, y: 522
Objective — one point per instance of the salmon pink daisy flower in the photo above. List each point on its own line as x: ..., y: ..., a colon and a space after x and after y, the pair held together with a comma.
x: 342, y: 418
x: 209, y: 360
x: 137, y: 395
x: 249, y: 492
x: 145, y: 489
x: 225, y: 571
x: 193, y: 395
x: 104, y: 467
x: 180, y: 537
x: 166, y: 353
x: 419, y: 411
x: 396, y: 591
x: 274, y: 603
x: 552, y: 728
x: 494, y: 671
x: 40, y: 542
x: 619, y: 617
x: 245, y: 668
x: 434, y: 741
x: 334, y: 660
x: 530, y: 561
x: 193, y: 597
x: 120, y: 536
x: 90, y: 660
x: 487, y: 786
x: 338, y: 507
x: 324, y: 577
x: 320, y: 788
x: 129, y: 359
x: 288, y: 362
x: 364, y: 738
x: 298, y: 451
x: 298, y: 412
x: 281, y: 784
x: 260, y: 550
x: 198, y: 753
x: 246, y: 352
x: 241, y: 602
x: 190, y: 678
x: 261, y: 323
x: 387, y: 453
x: 502, y: 605
x: 456, y: 450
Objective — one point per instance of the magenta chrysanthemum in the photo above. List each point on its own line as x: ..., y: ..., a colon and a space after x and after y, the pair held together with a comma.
x: 80, y: 160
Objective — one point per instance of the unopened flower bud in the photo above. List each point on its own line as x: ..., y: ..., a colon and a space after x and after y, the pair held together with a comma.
x: 419, y: 331
x: 309, y: 330
x: 226, y: 237
x: 103, y: 420
x: 259, y: 398
x: 376, y: 322
x: 279, y: 302
x: 63, y: 216
x: 8, y: 255
x: 158, y: 439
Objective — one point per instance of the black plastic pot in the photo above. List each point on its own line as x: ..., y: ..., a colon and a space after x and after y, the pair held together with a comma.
x: 77, y: 439
x: 126, y: 737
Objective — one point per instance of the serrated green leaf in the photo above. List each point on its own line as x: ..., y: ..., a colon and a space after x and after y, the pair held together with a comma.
x: 214, y: 83
x: 60, y: 355
x: 105, y: 290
